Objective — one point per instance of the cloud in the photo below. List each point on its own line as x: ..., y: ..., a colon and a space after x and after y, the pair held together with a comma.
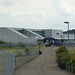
x: 36, y: 13
x: 65, y: 7
x: 6, y: 3
x: 25, y: 7
x: 25, y: 11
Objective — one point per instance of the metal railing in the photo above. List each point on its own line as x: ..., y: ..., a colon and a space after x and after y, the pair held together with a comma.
x: 29, y: 55
x: 10, y: 61
x: 7, y: 64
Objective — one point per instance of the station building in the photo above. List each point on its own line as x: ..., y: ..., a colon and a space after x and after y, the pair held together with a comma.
x: 52, y: 33
x: 16, y: 35
x: 28, y: 36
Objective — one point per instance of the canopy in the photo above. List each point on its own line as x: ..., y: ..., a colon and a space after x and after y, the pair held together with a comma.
x: 49, y: 38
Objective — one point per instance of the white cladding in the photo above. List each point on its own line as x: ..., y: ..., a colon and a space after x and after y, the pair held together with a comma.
x: 71, y: 36
x: 13, y: 36
x: 57, y: 34
x: 48, y: 33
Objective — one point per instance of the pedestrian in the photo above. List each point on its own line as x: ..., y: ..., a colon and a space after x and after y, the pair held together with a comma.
x: 46, y: 44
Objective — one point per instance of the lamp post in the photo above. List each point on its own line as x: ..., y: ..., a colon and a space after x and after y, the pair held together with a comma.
x: 66, y: 22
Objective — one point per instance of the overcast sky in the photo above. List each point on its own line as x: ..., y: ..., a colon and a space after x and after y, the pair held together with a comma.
x: 37, y: 13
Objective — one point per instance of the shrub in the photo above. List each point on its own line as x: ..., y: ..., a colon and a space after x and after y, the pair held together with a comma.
x: 62, y: 57
x: 65, y: 59
x: 19, y: 53
x: 61, y: 49
x: 27, y: 51
x: 2, y: 42
x: 13, y: 51
x: 1, y: 47
x: 72, y: 56
x: 62, y: 54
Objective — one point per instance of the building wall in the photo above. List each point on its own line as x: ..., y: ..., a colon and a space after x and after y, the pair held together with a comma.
x: 27, y: 33
x: 58, y: 34
x: 54, y: 33
x: 71, y: 36
x: 10, y: 35
x: 48, y: 33
x: 32, y: 34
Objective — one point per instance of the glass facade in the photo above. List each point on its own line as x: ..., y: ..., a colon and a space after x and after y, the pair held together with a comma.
x: 39, y: 32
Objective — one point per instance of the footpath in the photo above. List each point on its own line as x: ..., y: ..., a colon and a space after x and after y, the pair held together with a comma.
x: 44, y: 64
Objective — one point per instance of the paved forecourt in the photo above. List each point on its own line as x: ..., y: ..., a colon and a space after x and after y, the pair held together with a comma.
x: 44, y: 64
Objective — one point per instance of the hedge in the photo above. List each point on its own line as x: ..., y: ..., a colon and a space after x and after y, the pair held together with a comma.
x: 65, y: 58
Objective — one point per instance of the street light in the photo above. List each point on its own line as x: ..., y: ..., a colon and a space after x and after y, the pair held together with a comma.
x: 66, y: 22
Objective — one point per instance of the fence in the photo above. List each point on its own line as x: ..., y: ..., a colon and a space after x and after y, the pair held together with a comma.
x: 18, y: 45
x: 22, y: 59
x: 1, y: 64
x: 69, y: 42
x: 6, y: 64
